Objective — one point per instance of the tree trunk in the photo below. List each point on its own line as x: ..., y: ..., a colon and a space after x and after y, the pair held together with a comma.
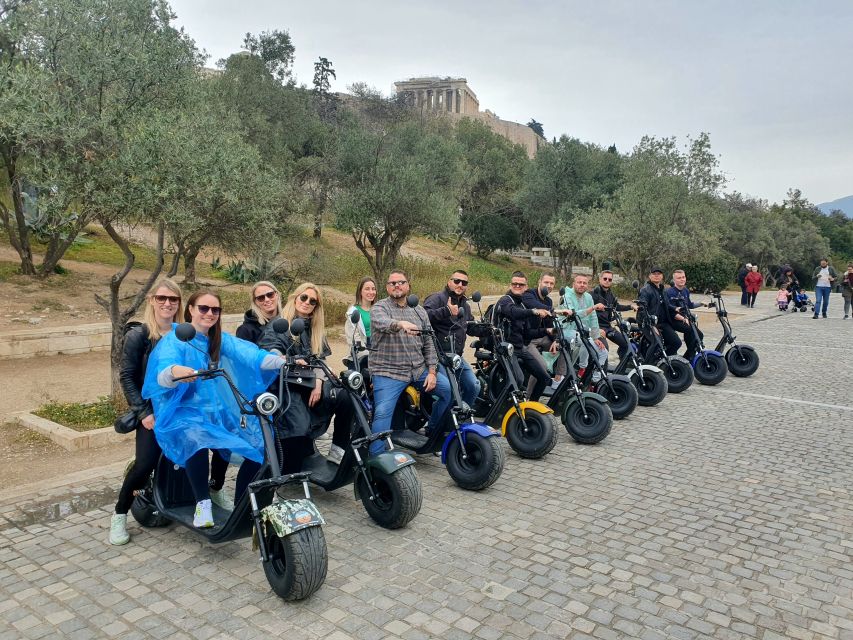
x: 190, y: 256
x: 176, y: 259
x: 19, y: 234
x: 119, y: 318
x: 318, y: 223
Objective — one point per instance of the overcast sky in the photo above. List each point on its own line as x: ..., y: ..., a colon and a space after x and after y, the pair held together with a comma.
x: 770, y: 80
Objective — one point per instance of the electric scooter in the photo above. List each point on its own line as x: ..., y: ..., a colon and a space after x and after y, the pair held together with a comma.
x: 741, y: 359
x: 288, y: 532
x: 708, y: 365
x: 387, y: 483
x: 648, y: 379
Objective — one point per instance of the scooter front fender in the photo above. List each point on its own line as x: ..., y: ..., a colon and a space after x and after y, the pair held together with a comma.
x: 468, y: 427
x: 387, y: 462
x: 707, y: 352
x: 586, y: 395
x: 289, y: 516
x: 644, y: 367
x: 414, y: 394
x: 538, y: 407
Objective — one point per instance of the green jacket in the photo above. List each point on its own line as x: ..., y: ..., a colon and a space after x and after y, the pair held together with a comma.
x: 580, y: 305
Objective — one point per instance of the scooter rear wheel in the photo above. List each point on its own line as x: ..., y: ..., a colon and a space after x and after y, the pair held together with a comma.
x: 297, y: 563
x: 622, y: 397
x: 483, y: 465
x: 742, y: 364
x: 143, y: 509
x: 679, y: 374
x: 540, y: 438
x: 711, y: 370
x: 398, y: 496
x: 651, y: 389
x: 591, y: 427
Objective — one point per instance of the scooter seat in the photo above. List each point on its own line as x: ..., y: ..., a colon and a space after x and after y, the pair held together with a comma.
x: 483, y: 354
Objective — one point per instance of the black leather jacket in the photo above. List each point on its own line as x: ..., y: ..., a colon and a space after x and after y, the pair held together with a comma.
x: 510, y: 309
x: 606, y: 297
x: 134, y: 359
x: 656, y: 303
x: 444, y: 324
x: 251, y: 329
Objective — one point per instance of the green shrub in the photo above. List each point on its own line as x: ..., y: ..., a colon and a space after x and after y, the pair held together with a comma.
x: 80, y: 416
x: 714, y: 274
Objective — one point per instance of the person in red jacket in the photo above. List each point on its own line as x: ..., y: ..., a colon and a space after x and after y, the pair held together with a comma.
x: 753, y: 285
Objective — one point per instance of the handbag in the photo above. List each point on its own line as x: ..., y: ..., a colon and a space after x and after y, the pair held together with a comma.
x: 301, y: 377
x: 126, y: 423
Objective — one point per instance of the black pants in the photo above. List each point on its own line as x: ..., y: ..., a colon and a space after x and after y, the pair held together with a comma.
x: 689, y: 338
x: 671, y: 342
x: 615, y: 336
x: 198, y: 469
x: 751, y: 298
x: 744, y: 296
x: 533, y: 367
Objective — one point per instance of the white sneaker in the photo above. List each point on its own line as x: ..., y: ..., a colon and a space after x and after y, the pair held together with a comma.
x: 203, y: 515
x: 336, y: 454
x: 118, y: 529
x: 221, y: 499
x: 555, y: 383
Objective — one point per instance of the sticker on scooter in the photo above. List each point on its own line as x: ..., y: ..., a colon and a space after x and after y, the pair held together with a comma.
x: 400, y: 458
x: 303, y: 517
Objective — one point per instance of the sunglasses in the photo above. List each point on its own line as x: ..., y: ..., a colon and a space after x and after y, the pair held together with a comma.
x: 165, y: 299
x: 204, y: 309
x: 518, y: 284
x: 306, y: 298
x: 269, y: 295
x: 396, y: 283
x: 607, y: 279
x: 464, y: 283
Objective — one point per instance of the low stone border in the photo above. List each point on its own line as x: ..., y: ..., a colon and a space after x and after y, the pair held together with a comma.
x: 66, y: 438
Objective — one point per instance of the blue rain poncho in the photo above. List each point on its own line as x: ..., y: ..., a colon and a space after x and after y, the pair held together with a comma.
x: 204, y: 414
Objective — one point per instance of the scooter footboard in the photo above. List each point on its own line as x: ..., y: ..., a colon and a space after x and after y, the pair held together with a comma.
x: 479, y: 428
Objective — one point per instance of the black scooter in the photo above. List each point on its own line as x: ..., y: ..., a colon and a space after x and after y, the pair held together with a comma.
x: 678, y: 372
x: 708, y: 365
x: 387, y: 483
x: 621, y: 395
x: 648, y: 379
x: 288, y: 532
x: 741, y: 359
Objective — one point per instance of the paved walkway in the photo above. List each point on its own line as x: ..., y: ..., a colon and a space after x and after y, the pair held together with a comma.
x: 724, y: 512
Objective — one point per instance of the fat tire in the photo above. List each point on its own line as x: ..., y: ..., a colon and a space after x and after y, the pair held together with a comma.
x: 743, y: 365
x: 715, y: 372
x: 531, y: 446
x: 680, y: 379
x: 407, y: 415
x: 399, y: 493
x: 485, y: 462
x: 297, y: 563
x: 600, y: 421
x: 655, y: 390
x: 143, y: 509
x: 628, y: 400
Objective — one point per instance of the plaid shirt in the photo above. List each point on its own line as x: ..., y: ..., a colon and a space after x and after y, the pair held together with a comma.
x: 399, y: 355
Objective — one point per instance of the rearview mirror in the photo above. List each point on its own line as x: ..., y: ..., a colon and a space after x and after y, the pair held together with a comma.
x: 355, y: 316
x: 544, y: 292
x: 476, y: 296
x: 636, y: 284
x: 280, y: 325
x: 562, y: 291
x: 185, y: 332
x: 297, y: 326
x: 412, y: 300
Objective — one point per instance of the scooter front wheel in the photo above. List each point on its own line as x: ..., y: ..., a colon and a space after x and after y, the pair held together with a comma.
x: 622, y: 397
x: 742, y: 361
x: 678, y: 372
x: 396, y: 498
x: 297, y: 563
x: 588, y: 424
x: 651, y: 388
x: 481, y: 465
x: 710, y: 370
x: 540, y: 437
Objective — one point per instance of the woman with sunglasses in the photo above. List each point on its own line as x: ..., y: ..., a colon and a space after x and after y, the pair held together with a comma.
x: 266, y: 307
x: 307, y: 415
x: 195, y: 416
x: 365, y: 296
x: 162, y: 308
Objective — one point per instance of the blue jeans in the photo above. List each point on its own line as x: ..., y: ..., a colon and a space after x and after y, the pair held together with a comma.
x: 821, y: 293
x: 469, y: 385
x: 386, y: 392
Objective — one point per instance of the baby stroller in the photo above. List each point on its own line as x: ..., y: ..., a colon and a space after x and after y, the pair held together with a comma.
x: 782, y: 299
x: 802, y: 302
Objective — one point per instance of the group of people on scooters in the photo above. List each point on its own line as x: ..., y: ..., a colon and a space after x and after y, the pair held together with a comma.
x: 197, y: 427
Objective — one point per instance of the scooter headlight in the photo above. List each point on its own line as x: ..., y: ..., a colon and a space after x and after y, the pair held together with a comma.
x: 457, y: 362
x: 267, y: 404
x: 653, y: 319
x: 354, y: 380
x: 508, y: 348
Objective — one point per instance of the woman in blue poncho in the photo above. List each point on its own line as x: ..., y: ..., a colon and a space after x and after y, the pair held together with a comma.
x: 194, y: 416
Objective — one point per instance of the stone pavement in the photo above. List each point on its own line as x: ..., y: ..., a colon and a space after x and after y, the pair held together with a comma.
x: 724, y: 512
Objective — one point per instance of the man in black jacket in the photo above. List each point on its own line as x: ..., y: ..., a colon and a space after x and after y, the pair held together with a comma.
x: 604, y: 295
x: 741, y: 281
x: 540, y: 331
x: 515, y: 316
x: 655, y: 303
x: 449, y: 314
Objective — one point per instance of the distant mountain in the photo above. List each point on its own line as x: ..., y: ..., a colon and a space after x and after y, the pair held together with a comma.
x: 845, y: 204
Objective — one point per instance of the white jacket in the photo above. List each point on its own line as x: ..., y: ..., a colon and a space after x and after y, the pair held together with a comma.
x: 354, y: 332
